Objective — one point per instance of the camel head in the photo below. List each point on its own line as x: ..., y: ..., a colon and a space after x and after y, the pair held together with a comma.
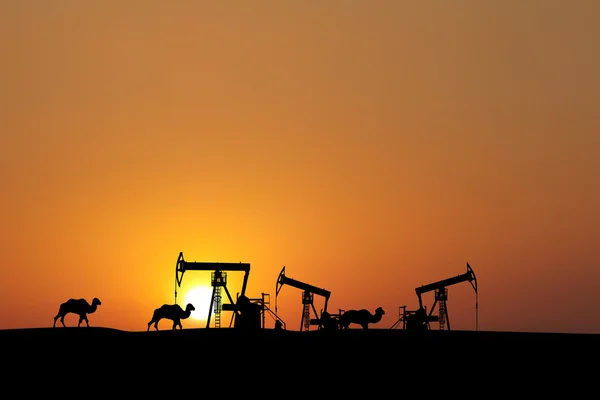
x: 96, y: 302
x: 379, y: 311
x: 190, y: 308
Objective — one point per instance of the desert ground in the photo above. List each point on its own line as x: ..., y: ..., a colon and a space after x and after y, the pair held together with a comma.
x: 315, y: 362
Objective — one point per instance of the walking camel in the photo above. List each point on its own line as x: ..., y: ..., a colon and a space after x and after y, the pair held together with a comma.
x: 174, y: 312
x: 76, y: 306
x: 361, y: 317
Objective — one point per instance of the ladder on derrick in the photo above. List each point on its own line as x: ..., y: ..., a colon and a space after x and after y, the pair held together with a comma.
x: 219, y: 279
x: 441, y: 295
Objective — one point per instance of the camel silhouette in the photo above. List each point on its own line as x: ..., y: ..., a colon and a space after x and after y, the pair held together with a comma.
x: 174, y: 312
x: 361, y: 317
x: 76, y: 306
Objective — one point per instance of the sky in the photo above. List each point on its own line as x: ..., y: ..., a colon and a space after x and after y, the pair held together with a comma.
x: 369, y: 147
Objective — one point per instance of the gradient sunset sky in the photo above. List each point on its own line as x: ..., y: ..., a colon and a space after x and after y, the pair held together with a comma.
x: 370, y: 147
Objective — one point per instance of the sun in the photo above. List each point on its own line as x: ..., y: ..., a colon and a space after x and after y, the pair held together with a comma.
x: 200, y: 297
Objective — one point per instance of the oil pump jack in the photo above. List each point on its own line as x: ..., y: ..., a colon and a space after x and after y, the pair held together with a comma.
x: 218, y: 281
x: 440, y: 289
x: 307, y: 298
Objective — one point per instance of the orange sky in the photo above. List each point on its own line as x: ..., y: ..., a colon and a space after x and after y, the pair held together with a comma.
x: 369, y: 147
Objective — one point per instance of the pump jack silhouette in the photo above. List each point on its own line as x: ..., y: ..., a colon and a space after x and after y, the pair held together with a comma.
x: 218, y: 281
x: 420, y: 319
x: 307, y: 299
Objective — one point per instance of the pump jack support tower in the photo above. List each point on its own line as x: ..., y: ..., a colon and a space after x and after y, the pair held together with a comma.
x: 441, y: 293
x: 307, y: 297
x: 218, y: 280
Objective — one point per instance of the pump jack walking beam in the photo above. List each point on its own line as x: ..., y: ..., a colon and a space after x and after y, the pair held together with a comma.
x: 217, y: 267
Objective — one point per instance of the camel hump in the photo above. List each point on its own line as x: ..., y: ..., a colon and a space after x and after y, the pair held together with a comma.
x: 349, y: 315
x: 355, y: 313
x: 74, y: 301
x: 170, y: 307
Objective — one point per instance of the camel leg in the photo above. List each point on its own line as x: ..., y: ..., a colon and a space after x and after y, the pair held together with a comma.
x: 153, y: 321
x: 60, y: 314
x: 82, y: 318
x: 176, y: 323
x: 62, y: 321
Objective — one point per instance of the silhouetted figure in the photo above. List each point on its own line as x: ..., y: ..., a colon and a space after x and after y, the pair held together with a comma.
x: 174, y: 312
x: 417, y: 321
x: 77, y: 306
x: 361, y: 317
x: 248, y: 316
x: 278, y: 325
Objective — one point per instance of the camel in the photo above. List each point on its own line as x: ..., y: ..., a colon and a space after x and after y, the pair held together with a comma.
x: 361, y: 317
x: 77, y: 306
x: 173, y: 312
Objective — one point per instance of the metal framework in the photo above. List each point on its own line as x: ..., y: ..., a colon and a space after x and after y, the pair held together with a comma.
x: 218, y: 281
x: 307, y: 298
x: 441, y: 295
x: 264, y: 302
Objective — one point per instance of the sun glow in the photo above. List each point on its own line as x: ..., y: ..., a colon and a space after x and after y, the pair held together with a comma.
x: 200, y: 297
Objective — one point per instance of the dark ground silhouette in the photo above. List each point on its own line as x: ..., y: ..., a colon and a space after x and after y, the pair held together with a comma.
x: 286, y: 361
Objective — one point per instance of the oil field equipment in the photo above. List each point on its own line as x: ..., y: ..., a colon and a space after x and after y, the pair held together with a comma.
x: 307, y: 298
x: 218, y: 281
x: 258, y: 305
x: 440, y: 289
x: 420, y: 320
